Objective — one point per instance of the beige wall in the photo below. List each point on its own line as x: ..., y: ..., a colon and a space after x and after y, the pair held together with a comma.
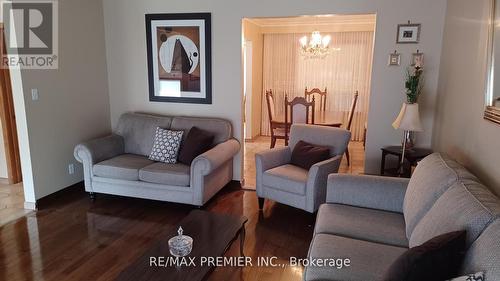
x: 74, y: 101
x: 127, y: 67
x: 252, y: 32
x: 460, y: 129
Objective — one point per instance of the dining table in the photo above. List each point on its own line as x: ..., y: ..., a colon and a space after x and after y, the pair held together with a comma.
x: 321, y: 117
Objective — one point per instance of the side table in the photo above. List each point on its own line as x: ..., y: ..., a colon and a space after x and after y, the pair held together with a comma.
x: 412, y: 156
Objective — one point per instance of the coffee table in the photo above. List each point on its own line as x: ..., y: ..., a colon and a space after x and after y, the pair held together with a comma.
x: 212, y: 235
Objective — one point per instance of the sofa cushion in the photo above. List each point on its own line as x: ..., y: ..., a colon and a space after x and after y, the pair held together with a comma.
x: 219, y: 127
x: 436, y: 260
x: 471, y: 207
x: 166, y: 146
x: 163, y: 173
x: 484, y: 254
x: 362, y: 223
x: 124, y: 167
x: 197, y: 142
x: 138, y: 131
x: 368, y: 260
x: 335, y: 138
x: 305, y: 154
x: 287, y: 178
x: 432, y: 177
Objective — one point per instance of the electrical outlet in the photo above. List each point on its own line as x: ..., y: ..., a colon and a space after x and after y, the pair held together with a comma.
x: 71, y: 168
x: 34, y: 94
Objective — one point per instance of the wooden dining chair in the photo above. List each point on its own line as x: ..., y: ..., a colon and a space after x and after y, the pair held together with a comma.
x: 277, y: 128
x: 301, y: 112
x: 322, y: 97
x: 349, y: 122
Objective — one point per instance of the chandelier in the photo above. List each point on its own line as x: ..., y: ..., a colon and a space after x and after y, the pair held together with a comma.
x: 316, y: 47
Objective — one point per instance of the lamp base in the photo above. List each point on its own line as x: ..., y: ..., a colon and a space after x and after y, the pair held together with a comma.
x: 407, y: 141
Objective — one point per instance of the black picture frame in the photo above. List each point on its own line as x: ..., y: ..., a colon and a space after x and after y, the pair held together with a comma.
x: 206, y: 17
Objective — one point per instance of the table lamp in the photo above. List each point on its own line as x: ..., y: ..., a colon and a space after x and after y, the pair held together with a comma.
x: 408, y: 120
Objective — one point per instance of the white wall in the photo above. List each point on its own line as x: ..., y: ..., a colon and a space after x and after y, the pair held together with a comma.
x: 460, y: 129
x: 127, y: 67
x: 74, y: 101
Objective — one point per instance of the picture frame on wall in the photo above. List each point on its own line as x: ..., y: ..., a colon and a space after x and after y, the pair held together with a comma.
x: 394, y: 59
x: 417, y: 59
x: 179, y: 57
x: 408, y: 33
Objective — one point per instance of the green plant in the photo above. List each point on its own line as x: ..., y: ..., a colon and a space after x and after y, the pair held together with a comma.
x: 414, y: 83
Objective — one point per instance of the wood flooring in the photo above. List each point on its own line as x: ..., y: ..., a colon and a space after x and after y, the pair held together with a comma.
x: 72, y: 238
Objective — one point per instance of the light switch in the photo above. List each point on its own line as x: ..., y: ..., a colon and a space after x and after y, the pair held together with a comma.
x: 34, y: 94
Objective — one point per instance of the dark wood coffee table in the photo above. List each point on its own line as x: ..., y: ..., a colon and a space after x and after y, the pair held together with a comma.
x: 212, y: 235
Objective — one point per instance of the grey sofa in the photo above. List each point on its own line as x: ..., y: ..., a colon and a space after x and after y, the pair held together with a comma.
x: 118, y: 164
x: 280, y: 181
x: 372, y: 220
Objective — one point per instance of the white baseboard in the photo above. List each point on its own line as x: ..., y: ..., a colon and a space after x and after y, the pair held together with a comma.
x: 30, y: 205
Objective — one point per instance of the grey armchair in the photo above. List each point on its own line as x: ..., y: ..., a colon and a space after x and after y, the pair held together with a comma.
x: 285, y: 183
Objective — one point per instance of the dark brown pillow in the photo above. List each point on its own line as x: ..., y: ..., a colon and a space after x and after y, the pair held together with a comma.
x: 305, y: 154
x: 197, y: 142
x: 436, y: 260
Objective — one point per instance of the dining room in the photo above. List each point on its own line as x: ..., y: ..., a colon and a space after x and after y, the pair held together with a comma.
x: 306, y: 69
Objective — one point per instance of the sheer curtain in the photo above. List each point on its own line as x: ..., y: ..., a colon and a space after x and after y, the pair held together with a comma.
x: 342, y: 72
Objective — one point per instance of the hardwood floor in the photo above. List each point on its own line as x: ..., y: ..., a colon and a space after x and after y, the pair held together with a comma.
x: 11, y: 201
x: 262, y: 143
x: 71, y: 238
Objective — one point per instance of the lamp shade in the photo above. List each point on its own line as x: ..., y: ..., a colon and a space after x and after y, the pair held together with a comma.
x: 408, y: 118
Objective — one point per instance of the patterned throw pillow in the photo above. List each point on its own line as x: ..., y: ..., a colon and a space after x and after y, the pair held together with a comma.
x: 471, y: 277
x: 166, y: 146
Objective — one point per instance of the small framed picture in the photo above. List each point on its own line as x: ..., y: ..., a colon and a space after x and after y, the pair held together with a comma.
x: 408, y: 33
x: 394, y: 59
x: 417, y: 59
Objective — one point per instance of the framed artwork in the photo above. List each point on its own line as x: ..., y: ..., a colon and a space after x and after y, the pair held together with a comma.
x: 408, y: 33
x: 394, y: 59
x: 179, y: 57
x: 417, y: 59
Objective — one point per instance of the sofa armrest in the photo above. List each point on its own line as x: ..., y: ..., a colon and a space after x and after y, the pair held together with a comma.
x: 100, y: 149
x: 269, y: 159
x: 207, y: 162
x: 317, y: 181
x: 375, y: 192
x: 97, y: 150
x: 272, y: 158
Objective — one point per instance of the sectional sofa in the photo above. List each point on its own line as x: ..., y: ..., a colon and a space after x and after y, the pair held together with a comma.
x: 372, y: 220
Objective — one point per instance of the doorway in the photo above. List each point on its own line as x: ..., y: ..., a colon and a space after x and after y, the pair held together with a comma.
x: 274, y: 59
x: 11, y: 187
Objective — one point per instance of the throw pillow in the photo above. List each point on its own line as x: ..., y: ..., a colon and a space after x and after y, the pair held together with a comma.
x: 305, y: 154
x: 436, y: 260
x: 197, y: 142
x: 166, y: 146
x: 471, y: 277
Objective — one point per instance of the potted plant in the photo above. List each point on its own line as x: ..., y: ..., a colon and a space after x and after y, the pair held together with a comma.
x: 413, y: 83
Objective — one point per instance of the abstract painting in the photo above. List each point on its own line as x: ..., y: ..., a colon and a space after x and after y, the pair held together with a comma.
x: 179, y: 57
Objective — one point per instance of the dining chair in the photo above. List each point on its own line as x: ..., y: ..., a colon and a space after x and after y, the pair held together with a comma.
x: 349, y: 122
x: 277, y: 128
x: 322, y: 97
x: 300, y: 111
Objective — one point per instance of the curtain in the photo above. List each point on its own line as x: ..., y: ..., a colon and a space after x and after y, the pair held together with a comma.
x: 342, y: 72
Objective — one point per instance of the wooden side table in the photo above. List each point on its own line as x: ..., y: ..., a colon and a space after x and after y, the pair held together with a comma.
x: 412, y: 156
